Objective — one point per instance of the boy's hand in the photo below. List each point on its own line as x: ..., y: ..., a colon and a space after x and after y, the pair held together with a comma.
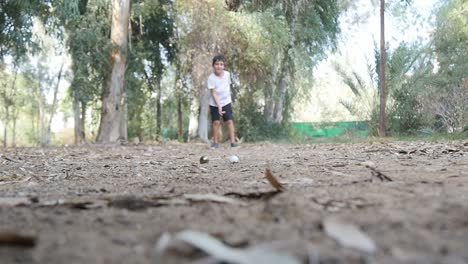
x: 220, y: 111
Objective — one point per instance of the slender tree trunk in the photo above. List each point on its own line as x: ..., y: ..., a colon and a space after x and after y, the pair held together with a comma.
x: 124, y: 120
x: 178, y: 88
x: 42, y: 118
x: 180, y: 133
x: 140, y: 134
x: 180, y: 128
x: 5, y: 129
x: 83, y: 123
x: 54, y: 105
x: 382, y: 114
x: 279, y: 106
x: 204, y: 112
x: 33, y: 121
x: 269, y: 108
x: 9, y: 102
x: 158, y: 108
x: 38, y: 126
x: 79, y: 114
x: 193, y: 118
x: 76, y: 117
x: 274, y: 102
x: 113, y: 108
x: 13, y: 132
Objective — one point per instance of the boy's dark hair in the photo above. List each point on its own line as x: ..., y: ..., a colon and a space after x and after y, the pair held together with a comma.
x: 217, y: 58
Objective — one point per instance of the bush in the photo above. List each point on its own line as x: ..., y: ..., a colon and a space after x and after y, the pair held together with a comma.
x: 252, y: 126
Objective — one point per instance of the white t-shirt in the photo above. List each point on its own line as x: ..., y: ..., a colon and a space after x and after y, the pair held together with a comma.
x: 222, y: 85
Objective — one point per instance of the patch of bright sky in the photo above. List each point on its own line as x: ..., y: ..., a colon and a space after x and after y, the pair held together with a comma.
x: 356, y: 50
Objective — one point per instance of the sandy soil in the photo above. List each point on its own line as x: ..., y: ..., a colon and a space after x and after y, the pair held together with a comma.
x: 111, y: 204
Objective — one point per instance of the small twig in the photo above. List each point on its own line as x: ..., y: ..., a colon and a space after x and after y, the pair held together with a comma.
x: 29, y: 172
x: 7, y: 158
x: 379, y: 175
x: 9, y: 182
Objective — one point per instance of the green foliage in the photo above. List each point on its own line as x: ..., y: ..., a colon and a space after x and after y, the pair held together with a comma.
x: 450, y: 39
x: 253, y: 126
x: 447, y: 94
x: 16, y: 37
x: 90, y: 47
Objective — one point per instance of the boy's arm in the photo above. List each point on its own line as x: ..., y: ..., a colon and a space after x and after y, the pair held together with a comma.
x: 216, y: 99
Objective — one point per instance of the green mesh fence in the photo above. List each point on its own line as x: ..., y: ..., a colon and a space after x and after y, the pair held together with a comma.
x: 331, y: 129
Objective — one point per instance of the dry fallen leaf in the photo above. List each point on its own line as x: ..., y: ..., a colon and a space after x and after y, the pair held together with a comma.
x: 348, y: 235
x: 273, y: 181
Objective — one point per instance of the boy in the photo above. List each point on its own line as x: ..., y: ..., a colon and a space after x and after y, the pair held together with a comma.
x: 219, y: 83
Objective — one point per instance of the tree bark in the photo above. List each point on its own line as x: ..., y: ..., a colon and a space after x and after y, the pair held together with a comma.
x: 158, y: 108
x: 180, y: 129
x: 123, y: 127
x: 204, y: 112
x: 269, y: 108
x: 76, y: 117
x: 5, y: 129
x: 382, y: 114
x: 193, y: 118
x: 276, y: 93
x: 13, y: 133
x: 54, y: 105
x: 41, y: 119
x: 113, y: 105
x: 9, y: 101
x: 83, y: 123
x: 178, y: 88
x: 279, y: 106
x: 282, y: 88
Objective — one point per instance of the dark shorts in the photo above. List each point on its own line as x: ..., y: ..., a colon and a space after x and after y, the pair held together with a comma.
x: 215, y: 114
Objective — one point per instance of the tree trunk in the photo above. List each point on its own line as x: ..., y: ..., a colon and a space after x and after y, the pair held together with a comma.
x: 158, y: 108
x: 123, y: 127
x: 279, y: 106
x: 13, y: 132
x: 193, y: 118
x: 9, y: 101
x: 54, y: 105
x: 274, y: 101
x: 76, y: 117
x: 42, y: 118
x: 269, y: 108
x: 113, y: 101
x: 5, y: 129
x: 33, y: 121
x: 204, y: 112
x: 180, y: 133
x: 178, y: 88
x: 83, y: 123
x: 382, y: 115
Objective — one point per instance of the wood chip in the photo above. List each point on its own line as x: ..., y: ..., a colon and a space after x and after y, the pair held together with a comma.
x: 13, y: 239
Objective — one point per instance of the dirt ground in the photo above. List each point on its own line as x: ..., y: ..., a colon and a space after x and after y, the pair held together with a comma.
x: 111, y: 204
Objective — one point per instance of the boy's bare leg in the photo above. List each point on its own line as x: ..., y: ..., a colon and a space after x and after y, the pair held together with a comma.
x: 216, y: 125
x: 230, y: 126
